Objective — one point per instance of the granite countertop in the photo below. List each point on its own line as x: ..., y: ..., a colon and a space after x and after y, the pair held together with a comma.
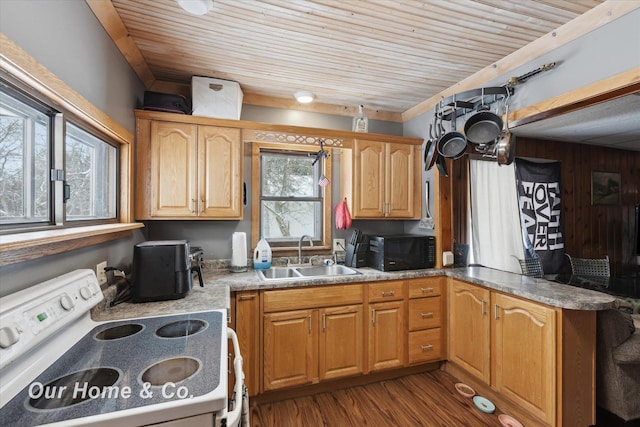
x: 539, y: 290
x: 212, y: 296
x: 218, y: 284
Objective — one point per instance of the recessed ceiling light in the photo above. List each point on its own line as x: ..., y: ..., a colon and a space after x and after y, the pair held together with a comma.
x: 303, y: 96
x: 196, y: 7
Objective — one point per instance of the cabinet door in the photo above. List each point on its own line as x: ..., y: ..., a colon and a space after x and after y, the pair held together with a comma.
x: 469, y: 329
x: 369, y: 179
x: 247, y: 327
x: 220, y: 176
x: 289, y: 348
x: 524, y: 351
x: 341, y: 342
x: 173, y: 169
x: 387, y: 338
x: 400, y: 178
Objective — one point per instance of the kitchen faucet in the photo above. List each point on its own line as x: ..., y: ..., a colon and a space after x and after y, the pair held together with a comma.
x: 300, y: 246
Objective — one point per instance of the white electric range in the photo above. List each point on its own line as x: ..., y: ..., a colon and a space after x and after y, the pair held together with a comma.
x: 58, y: 367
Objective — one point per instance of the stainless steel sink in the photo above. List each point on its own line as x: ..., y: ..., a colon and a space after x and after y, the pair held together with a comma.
x: 326, y: 270
x: 290, y: 273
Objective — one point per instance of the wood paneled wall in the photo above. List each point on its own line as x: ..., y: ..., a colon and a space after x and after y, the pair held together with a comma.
x: 593, y: 231
x: 589, y: 231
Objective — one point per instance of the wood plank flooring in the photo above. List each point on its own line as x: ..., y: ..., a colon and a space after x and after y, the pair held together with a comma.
x: 425, y: 399
x: 421, y: 400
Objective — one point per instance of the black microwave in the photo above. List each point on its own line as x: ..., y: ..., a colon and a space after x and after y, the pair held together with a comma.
x: 402, y: 252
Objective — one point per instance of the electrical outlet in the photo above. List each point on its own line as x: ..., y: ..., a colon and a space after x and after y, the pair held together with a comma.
x: 339, y: 245
x: 100, y: 273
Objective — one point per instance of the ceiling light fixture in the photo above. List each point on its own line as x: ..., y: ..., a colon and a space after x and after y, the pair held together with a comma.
x: 303, y: 96
x: 196, y: 7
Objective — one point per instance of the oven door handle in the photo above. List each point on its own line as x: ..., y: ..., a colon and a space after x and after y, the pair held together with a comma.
x: 233, y: 417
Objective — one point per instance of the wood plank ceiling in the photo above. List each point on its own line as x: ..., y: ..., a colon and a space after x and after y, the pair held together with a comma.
x: 389, y: 55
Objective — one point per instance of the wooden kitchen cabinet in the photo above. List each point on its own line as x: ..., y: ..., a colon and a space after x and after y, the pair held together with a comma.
x: 188, y: 171
x: 425, y: 320
x: 506, y: 342
x: 246, y: 315
x: 470, y: 329
x: 387, y: 333
x: 381, y: 180
x: 523, y: 350
x: 290, y: 347
x: 319, y: 336
x: 341, y: 350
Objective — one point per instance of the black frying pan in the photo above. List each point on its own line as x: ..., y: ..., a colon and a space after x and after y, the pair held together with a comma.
x: 483, y: 127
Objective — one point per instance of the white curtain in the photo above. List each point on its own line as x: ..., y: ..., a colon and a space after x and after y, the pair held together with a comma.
x: 495, y: 216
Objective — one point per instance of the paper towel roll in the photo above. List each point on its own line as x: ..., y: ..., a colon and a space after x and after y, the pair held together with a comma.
x: 239, y: 252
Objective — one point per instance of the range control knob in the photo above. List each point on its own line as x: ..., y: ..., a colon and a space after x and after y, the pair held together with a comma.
x: 9, y: 336
x: 67, y: 302
x: 85, y: 292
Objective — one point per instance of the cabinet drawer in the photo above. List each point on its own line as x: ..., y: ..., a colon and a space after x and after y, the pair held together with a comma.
x: 299, y: 298
x: 425, y: 313
x: 427, y: 287
x: 386, y: 291
x: 425, y: 345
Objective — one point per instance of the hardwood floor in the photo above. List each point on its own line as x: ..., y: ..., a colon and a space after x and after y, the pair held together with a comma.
x: 426, y: 400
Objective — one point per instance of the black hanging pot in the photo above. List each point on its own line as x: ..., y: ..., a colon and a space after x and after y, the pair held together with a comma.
x: 452, y: 145
x: 430, y: 150
x: 483, y: 127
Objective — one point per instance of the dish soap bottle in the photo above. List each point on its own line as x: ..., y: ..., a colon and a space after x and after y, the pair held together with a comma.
x: 262, y: 255
x: 360, y: 123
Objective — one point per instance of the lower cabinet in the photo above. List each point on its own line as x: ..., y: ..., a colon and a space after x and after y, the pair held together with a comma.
x: 323, y: 339
x: 312, y: 334
x: 506, y: 342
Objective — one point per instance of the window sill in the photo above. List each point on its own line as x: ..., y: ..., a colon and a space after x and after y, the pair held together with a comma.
x: 21, y: 247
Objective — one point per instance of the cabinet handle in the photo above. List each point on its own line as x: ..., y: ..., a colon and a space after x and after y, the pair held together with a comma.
x: 201, y: 206
x: 309, y: 323
x: 484, y: 310
x: 247, y: 297
x: 388, y: 293
x: 373, y: 316
x: 427, y: 315
x: 426, y: 347
x: 496, y: 307
x: 426, y: 290
x: 324, y: 323
x: 384, y: 209
x: 193, y: 206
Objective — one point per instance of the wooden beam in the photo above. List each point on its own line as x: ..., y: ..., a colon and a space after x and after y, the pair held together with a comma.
x: 614, y: 87
x: 113, y: 25
x: 589, y: 21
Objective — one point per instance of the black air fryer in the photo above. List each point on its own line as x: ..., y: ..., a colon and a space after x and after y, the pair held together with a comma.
x: 161, y: 270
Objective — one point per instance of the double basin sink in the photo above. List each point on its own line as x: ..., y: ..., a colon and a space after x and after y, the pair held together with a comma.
x: 305, y: 272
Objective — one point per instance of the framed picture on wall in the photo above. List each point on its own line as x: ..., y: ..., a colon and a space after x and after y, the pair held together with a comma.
x: 605, y: 188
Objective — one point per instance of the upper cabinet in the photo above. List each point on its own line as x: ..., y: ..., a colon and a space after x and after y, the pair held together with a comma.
x: 382, y: 180
x: 188, y: 171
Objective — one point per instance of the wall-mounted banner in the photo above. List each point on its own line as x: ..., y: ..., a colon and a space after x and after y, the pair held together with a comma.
x: 539, y: 198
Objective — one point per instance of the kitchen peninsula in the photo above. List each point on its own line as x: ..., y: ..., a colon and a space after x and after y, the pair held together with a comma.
x: 474, y: 308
